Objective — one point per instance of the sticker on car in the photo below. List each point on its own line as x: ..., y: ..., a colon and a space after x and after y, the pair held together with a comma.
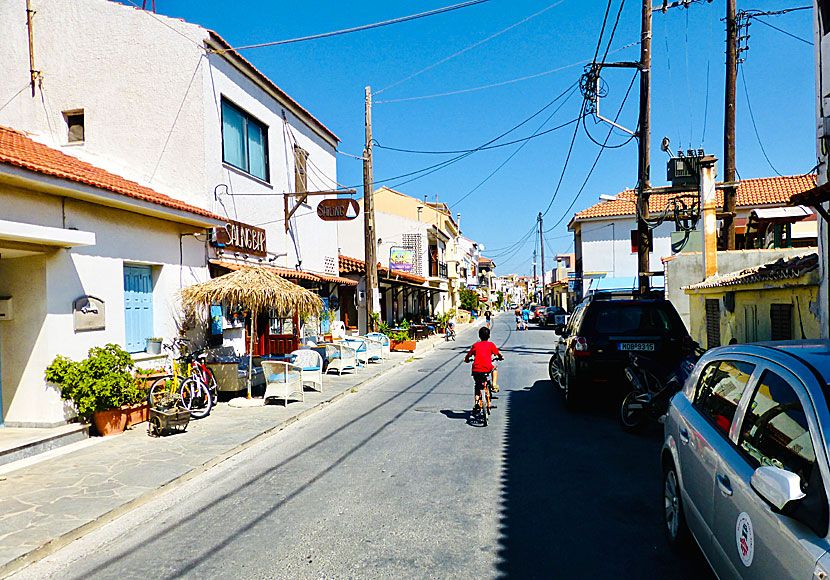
x: 636, y: 346
x: 745, y: 539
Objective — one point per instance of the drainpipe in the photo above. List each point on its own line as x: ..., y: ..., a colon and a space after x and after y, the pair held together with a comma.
x: 708, y: 201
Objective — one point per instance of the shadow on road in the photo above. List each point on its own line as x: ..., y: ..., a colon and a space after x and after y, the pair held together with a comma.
x: 580, y: 498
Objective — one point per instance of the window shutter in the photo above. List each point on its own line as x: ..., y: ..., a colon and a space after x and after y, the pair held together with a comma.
x: 781, y: 321
x: 712, y: 322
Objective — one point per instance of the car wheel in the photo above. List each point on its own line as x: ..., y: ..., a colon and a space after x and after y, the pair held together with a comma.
x: 674, y: 517
x: 555, y: 371
x: 573, y: 395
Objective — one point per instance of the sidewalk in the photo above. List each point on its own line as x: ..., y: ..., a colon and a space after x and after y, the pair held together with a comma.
x: 47, y: 503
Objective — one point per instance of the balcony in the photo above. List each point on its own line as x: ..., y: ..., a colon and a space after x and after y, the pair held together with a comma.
x: 438, y: 269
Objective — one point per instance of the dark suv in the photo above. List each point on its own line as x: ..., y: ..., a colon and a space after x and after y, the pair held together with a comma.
x: 601, y: 332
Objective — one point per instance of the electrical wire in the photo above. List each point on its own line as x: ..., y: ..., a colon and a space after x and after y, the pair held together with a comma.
x: 163, y: 23
x: 513, y: 154
x: 599, y: 154
x: 462, y: 51
x: 708, y: 77
x: 565, y: 165
x: 502, y: 83
x: 14, y: 96
x: 754, y: 125
x: 781, y: 30
x: 355, y: 29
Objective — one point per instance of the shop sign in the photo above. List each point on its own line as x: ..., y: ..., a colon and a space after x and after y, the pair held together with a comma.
x: 402, y: 259
x: 239, y: 237
x: 338, y: 209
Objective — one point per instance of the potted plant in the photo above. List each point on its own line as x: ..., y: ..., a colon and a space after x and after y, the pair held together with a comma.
x: 400, y: 341
x: 102, y: 386
x: 153, y: 346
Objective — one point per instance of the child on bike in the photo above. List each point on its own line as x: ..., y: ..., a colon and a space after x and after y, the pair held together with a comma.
x: 482, y: 354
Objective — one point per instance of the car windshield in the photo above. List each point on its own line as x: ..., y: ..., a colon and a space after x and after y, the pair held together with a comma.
x: 634, y: 317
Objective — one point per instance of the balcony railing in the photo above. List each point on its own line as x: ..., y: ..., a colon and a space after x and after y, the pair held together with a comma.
x: 438, y: 269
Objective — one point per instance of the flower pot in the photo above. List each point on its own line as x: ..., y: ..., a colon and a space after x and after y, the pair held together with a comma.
x: 110, y: 422
x: 146, y: 381
x: 153, y: 346
x: 137, y: 413
x: 402, y: 345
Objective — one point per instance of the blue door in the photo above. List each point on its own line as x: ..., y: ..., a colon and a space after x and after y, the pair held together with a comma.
x: 138, y: 306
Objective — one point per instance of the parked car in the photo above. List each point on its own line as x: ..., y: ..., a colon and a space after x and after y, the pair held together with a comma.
x: 603, y: 329
x: 555, y: 316
x: 745, y: 460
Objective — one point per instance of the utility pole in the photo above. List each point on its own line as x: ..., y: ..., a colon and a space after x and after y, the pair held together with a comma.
x: 535, y: 280
x: 644, y: 150
x: 542, y: 246
x: 369, y: 217
x: 32, y: 72
x: 730, y: 191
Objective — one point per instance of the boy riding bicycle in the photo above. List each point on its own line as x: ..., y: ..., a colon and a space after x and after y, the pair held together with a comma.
x: 482, y: 354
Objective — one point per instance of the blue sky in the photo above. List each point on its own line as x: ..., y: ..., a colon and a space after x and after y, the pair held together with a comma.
x: 328, y: 77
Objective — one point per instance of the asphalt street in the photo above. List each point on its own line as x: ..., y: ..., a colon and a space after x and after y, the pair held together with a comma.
x: 395, y: 481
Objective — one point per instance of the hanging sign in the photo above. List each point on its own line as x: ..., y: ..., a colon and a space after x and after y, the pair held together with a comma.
x: 402, y: 259
x: 338, y: 209
x: 240, y: 237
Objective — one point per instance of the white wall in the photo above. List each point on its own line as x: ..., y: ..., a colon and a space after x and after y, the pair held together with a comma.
x: 390, y: 228
x: 606, y: 247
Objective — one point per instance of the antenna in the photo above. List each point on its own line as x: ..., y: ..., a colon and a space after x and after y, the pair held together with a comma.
x: 152, y: 3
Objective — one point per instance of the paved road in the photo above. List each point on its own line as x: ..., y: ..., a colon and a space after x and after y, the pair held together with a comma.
x: 393, y: 482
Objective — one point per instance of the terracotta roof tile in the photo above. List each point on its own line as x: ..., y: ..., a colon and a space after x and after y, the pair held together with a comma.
x: 781, y: 269
x: 751, y: 193
x: 353, y: 265
x: 286, y: 273
x: 19, y: 150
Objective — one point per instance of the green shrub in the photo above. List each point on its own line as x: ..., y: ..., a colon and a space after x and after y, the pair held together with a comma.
x: 102, y: 381
x: 469, y: 299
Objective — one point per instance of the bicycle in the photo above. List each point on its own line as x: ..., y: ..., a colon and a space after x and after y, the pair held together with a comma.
x: 175, y: 387
x: 485, y: 396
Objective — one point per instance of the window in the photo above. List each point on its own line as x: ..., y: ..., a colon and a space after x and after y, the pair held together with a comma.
x: 720, y: 388
x: 300, y: 164
x: 781, y: 321
x: 712, y: 322
x: 244, y: 141
x: 138, y: 307
x: 74, y: 126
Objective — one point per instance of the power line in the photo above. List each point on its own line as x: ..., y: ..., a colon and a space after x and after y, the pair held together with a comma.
x: 355, y: 29
x: 790, y: 34
x: 754, y: 126
x: 599, y: 154
x: 479, y: 43
x: 502, y: 83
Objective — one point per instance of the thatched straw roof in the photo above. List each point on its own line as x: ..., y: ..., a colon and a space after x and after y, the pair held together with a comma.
x: 256, y: 287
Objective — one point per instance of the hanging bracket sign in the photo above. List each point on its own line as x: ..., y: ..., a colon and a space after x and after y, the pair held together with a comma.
x: 338, y: 209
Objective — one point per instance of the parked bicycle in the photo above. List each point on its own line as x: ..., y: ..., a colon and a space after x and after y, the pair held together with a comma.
x: 186, y: 383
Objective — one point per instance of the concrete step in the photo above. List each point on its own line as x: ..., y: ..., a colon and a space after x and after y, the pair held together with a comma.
x: 18, y: 443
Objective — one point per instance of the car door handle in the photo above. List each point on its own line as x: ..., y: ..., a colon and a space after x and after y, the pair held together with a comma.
x: 684, y: 436
x: 724, y: 485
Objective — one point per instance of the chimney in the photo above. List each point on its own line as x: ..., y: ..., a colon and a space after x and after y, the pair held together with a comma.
x: 458, y: 222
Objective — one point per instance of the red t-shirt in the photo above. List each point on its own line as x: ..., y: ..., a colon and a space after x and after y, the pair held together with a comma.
x: 482, y: 353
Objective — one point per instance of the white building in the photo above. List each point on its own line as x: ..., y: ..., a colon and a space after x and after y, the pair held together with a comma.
x: 171, y: 106
x: 86, y: 258
x: 605, y: 257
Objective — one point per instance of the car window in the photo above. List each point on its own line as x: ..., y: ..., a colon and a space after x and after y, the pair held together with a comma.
x: 624, y: 318
x: 719, y: 390
x: 775, y: 432
x: 576, y: 320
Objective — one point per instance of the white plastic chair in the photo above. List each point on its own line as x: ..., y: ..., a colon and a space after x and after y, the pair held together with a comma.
x: 374, y: 348
x: 384, y: 342
x: 282, y: 381
x: 341, y: 357
x: 311, y: 366
x: 360, y: 348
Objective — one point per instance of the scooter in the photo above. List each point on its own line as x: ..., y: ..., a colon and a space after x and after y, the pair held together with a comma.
x: 653, y: 385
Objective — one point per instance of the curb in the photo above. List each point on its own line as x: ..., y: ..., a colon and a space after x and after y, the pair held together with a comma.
x: 56, y: 544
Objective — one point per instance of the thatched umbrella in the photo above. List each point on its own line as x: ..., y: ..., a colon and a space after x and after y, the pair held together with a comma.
x: 258, y: 288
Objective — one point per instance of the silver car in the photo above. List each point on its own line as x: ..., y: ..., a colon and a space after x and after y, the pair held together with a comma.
x: 745, y: 461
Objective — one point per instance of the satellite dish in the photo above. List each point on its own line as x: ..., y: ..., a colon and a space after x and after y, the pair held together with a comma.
x: 664, y: 144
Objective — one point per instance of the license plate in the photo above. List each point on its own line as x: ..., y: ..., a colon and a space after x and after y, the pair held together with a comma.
x: 636, y: 346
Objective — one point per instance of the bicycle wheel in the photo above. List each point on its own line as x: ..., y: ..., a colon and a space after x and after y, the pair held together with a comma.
x: 196, y: 398
x: 158, y: 391
x: 212, y: 385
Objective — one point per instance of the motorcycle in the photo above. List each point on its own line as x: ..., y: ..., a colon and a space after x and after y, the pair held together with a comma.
x: 653, y: 385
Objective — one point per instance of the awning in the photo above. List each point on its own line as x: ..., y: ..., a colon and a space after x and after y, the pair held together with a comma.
x: 22, y: 239
x: 291, y: 274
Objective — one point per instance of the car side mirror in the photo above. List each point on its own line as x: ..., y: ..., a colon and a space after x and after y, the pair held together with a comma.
x: 776, y: 486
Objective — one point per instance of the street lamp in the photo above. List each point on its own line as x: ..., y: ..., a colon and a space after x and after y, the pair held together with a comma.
x: 606, y: 197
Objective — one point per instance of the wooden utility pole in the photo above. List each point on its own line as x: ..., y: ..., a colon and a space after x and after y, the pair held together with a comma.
x: 542, y: 246
x: 369, y: 217
x: 730, y: 192
x: 32, y: 71
x: 644, y: 152
x: 535, y: 280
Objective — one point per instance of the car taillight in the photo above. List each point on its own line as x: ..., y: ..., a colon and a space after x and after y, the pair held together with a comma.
x: 581, y: 347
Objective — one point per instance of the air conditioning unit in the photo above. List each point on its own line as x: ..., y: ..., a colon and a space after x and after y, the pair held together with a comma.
x: 6, y: 312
